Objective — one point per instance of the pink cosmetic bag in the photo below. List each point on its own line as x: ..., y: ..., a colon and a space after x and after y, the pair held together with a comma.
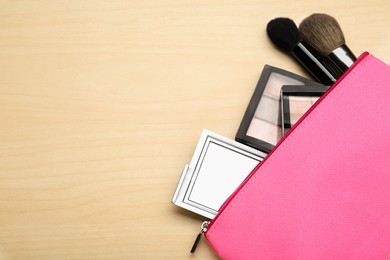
x: 324, y: 191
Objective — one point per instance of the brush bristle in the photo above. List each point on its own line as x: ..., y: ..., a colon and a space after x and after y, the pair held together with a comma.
x: 322, y: 32
x: 284, y: 33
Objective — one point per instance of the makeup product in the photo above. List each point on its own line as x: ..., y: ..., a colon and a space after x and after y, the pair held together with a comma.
x: 323, y: 192
x: 324, y: 34
x: 295, y: 102
x: 284, y: 33
x: 218, y: 167
x: 261, y: 126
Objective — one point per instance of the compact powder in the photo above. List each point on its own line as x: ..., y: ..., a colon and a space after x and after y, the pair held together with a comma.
x: 266, y: 123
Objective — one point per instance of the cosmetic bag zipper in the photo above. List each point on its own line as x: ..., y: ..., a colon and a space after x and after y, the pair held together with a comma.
x: 203, y: 229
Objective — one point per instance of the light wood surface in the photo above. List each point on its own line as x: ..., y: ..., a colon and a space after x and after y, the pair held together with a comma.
x: 103, y: 102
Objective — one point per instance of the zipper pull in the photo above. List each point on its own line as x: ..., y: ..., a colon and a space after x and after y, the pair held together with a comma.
x: 203, y: 229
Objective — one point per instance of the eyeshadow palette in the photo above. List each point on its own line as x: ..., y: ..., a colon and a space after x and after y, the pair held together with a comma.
x: 261, y: 126
x: 217, y: 168
x: 295, y: 102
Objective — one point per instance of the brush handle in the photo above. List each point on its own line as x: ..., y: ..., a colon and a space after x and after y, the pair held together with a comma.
x: 309, y: 61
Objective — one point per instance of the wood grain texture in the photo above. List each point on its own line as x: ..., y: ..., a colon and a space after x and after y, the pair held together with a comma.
x: 103, y: 102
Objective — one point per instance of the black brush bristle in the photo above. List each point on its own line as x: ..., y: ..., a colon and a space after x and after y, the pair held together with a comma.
x: 284, y: 33
x: 322, y: 32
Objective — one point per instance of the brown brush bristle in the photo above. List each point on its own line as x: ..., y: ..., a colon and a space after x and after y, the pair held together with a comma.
x: 322, y: 32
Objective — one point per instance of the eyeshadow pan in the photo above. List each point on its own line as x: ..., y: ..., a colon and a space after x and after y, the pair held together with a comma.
x: 275, y: 83
x: 268, y: 109
x: 298, y: 106
x: 264, y: 130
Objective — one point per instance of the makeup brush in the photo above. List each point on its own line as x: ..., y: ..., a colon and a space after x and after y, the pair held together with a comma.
x: 324, y: 34
x: 284, y: 33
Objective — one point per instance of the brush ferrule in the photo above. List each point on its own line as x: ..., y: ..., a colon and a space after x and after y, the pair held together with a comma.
x: 342, y: 58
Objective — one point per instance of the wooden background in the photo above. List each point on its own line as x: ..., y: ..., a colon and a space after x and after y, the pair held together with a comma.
x: 102, y: 104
